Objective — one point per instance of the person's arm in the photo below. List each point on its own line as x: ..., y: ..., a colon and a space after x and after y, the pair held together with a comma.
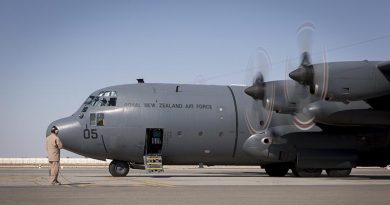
x: 59, y: 143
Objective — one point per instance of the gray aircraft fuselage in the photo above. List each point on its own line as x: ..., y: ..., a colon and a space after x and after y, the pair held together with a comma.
x: 214, y: 125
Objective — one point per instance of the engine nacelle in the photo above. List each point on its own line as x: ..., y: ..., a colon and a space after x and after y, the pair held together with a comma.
x: 281, y: 97
x: 268, y: 145
x: 350, y: 81
x: 258, y: 144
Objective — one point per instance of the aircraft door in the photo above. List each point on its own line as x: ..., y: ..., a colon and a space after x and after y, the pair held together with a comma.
x: 154, y: 141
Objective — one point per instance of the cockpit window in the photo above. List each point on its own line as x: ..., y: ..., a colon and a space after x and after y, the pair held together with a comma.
x: 96, y: 101
x: 84, y: 109
x: 112, y: 102
x: 103, y: 102
x: 89, y: 100
x: 104, y: 98
x: 107, y: 94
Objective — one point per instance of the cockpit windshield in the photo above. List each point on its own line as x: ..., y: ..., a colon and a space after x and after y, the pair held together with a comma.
x: 89, y: 100
x: 107, y: 94
x: 104, y: 98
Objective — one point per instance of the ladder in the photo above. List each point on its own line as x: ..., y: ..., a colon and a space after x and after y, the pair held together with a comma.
x: 153, y: 163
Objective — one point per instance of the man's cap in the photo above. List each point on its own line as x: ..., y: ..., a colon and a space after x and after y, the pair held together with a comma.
x: 53, y: 129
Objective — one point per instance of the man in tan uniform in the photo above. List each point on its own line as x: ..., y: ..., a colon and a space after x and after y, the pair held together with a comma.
x: 53, y: 146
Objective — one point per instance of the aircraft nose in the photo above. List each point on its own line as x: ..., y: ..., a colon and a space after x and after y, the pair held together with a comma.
x: 69, y: 133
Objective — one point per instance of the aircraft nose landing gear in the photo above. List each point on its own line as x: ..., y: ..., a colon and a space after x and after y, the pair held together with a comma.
x: 118, y: 168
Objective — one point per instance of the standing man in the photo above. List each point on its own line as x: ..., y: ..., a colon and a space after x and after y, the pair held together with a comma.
x: 53, y: 146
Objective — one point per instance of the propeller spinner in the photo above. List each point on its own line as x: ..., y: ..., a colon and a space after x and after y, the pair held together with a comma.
x: 305, y: 72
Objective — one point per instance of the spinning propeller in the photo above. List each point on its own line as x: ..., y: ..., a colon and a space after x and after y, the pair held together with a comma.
x: 262, y: 91
x: 308, y: 85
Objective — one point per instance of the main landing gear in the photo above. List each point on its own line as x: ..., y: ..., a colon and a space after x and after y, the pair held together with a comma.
x: 276, y: 170
x: 306, y: 172
x: 280, y: 170
x: 118, y: 168
x: 317, y: 172
x: 338, y: 172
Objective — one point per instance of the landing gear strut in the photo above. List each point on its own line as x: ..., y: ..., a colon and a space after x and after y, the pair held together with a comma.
x: 118, y: 168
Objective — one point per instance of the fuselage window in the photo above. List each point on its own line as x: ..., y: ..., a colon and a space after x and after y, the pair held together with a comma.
x: 92, y: 118
x: 156, y: 137
x: 100, y: 119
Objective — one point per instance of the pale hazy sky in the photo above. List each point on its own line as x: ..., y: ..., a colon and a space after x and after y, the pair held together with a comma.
x: 53, y: 54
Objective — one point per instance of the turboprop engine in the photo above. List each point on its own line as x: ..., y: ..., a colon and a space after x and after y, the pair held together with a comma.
x: 345, y: 81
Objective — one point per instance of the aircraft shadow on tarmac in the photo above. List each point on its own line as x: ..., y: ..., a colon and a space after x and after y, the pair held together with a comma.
x: 204, y: 174
x: 254, y: 174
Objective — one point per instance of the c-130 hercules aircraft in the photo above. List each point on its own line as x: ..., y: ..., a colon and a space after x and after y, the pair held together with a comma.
x: 328, y: 116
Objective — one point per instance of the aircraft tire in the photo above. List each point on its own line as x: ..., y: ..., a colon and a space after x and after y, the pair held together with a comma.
x: 276, y: 170
x: 338, y: 172
x: 118, y: 168
x: 306, y: 172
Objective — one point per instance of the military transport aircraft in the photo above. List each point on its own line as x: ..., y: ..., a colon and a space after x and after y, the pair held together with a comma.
x: 329, y: 116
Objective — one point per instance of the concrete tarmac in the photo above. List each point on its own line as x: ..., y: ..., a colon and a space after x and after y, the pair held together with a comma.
x: 191, y: 185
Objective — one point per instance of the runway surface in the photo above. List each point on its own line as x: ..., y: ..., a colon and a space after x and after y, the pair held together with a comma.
x: 191, y: 185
